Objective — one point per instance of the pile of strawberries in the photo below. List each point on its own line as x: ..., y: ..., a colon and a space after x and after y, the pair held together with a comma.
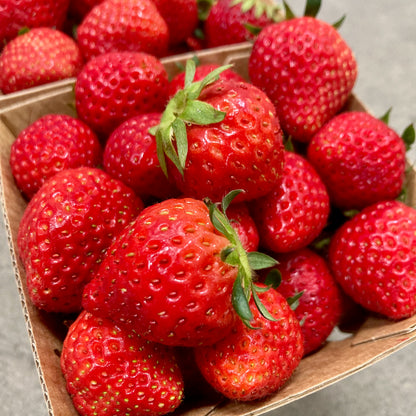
x: 146, y: 212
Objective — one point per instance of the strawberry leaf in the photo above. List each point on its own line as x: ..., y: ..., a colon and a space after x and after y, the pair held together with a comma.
x: 240, y: 302
x: 386, y: 116
x: 273, y: 278
x: 179, y: 130
x: 201, y: 113
x: 189, y: 72
x: 288, y: 11
x: 293, y: 301
x: 339, y: 22
x: 259, y: 261
x: 229, y: 198
x: 262, y: 309
x: 312, y: 8
x: 408, y: 136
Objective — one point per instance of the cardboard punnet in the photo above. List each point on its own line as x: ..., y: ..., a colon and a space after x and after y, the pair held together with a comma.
x: 373, y: 339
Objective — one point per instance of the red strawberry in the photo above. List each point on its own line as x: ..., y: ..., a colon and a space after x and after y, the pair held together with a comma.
x: 307, y: 70
x: 228, y: 20
x: 361, y: 160
x: 111, y: 371
x: 123, y: 25
x: 52, y: 143
x: 296, y: 211
x: 37, y: 57
x: 65, y: 231
x: 130, y: 155
x: 252, y: 363
x: 320, y: 305
x: 114, y: 87
x: 373, y: 257
x: 18, y: 14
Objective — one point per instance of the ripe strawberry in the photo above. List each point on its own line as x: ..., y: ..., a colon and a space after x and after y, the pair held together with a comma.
x: 52, y: 143
x: 320, y: 304
x: 307, y: 70
x: 373, y: 257
x: 65, y: 231
x: 111, y: 371
x: 18, y: 14
x: 252, y: 363
x: 228, y: 20
x: 361, y: 160
x: 114, y: 87
x: 123, y: 25
x: 295, y: 212
x: 37, y: 57
x: 130, y: 156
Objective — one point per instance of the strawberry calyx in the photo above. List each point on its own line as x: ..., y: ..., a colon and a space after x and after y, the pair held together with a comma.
x: 272, y: 10
x: 182, y: 110
x: 247, y: 262
x: 311, y: 9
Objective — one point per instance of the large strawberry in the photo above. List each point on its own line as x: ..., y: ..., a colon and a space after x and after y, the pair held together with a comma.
x: 65, y: 231
x: 111, y: 371
x: 123, y: 25
x: 252, y: 363
x: 52, y: 143
x: 295, y: 212
x: 373, y: 257
x: 220, y: 135
x: 360, y: 159
x: 37, y: 57
x: 307, y: 69
x: 114, y: 87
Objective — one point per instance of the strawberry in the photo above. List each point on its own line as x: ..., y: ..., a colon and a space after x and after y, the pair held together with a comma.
x: 295, y: 212
x: 130, y: 156
x: 360, y: 158
x: 307, y: 70
x: 230, y: 21
x: 65, y: 231
x: 123, y: 25
x: 37, y: 57
x: 111, y: 371
x: 319, y: 308
x: 52, y: 143
x: 252, y: 363
x: 220, y: 135
x: 114, y: 87
x: 373, y: 257
x: 18, y: 14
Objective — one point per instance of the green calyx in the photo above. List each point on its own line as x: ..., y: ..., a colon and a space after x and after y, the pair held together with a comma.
x: 247, y: 263
x: 269, y: 8
x: 408, y: 136
x: 182, y: 110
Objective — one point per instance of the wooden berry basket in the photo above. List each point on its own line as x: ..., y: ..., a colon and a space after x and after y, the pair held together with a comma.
x: 373, y: 339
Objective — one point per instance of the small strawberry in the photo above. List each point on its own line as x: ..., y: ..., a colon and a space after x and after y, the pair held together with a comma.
x: 18, y: 14
x: 130, y: 155
x: 320, y: 303
x: 232, y: 21
x: 295, y: 212
x: 52, y: 143
x: 114, y: 87
x: 373, y: 257
x: 123, y: 25
x: 65, y: 231
x: 37, y: 57
x: 360, y: 158
x: 111, y: 371
x: 252, y: 363
x: 308, y: 71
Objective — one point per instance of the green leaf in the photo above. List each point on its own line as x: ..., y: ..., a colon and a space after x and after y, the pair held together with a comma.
x: 312, y: 8
x: 225, y: 252
x: 201, y: 113
x: 288, y: 11
x: 408, y: 136
x: 259, y: 261
x: 273, y: 278
x: 240, y: 302
x: 204, y: 7
x: 253, y: 29
x: 217, y: 218
x: 293, y: 301
x: 189, y: 72
x: 160, y: 152
x: 226, y: 201
x: 232, y: 258
x: 262, y: 309
x: 179, y: 130
x: 386, y: 116
x: 339, y: 22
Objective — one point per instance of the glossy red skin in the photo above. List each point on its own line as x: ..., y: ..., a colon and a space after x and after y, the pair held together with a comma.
x: 250, y: 364
x: 244, y: 151
x: 18, y: 14
x: 320, y: 305
x: 294, y: 213
x: 307, y: 70
x: 65, y: 231
x: 123, y: 25
x: 373, y: 257
x: 164, y: 277
x: 110, y: 370
x: 361, y: 160
x: 114, y: 87
x: 130, y: 156
x: 37, y: 57
x: 49, y: 145
x: 225, y: 24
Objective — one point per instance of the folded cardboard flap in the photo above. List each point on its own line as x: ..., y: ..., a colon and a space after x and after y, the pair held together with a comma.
x: 375, y: 339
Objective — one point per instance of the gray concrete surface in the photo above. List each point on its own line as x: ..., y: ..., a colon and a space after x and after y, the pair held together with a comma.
x: 382, y: 34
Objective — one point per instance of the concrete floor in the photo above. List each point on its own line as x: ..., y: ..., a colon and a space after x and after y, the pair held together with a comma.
x: 383, y: 35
